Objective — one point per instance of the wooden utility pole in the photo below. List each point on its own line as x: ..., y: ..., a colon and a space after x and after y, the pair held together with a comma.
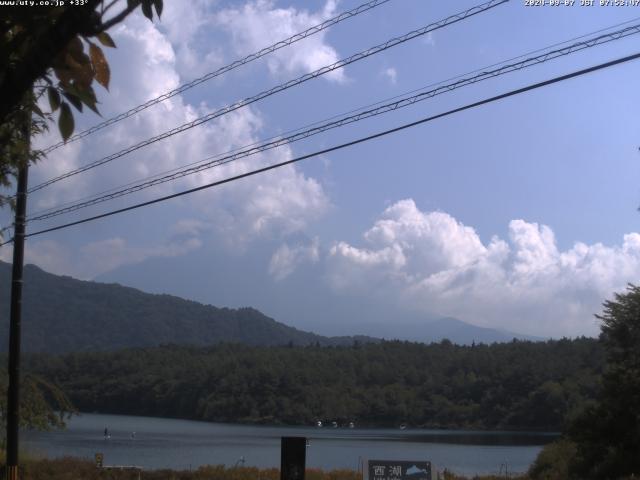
x: 13, y: 394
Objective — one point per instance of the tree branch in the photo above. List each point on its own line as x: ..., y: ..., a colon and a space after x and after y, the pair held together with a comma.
x: 106, y: 9
x: 118, y: 18
x: 19, y: 79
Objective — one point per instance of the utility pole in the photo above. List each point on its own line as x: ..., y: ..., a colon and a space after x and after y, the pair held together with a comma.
x: 13, y: 394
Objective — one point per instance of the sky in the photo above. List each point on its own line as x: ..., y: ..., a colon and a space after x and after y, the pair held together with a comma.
x: 520, y: 215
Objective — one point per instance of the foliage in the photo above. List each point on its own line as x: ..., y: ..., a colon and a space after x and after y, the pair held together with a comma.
x: 69, y: 468
x: 512, y: 385
x: 608, y: 433
x: 53, y: 52
x: 43, y: 406
x: 553, y: 461
x: 55, y: 49
x: 518, y: 385
x: 14, y: 144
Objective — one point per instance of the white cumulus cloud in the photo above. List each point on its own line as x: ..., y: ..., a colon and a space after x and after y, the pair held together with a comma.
x: 101, y: 256
x: 258, y: 24
x: 146, y: 64
x: 288, y: 257
x: 429, y: 261
x: 391, y: 74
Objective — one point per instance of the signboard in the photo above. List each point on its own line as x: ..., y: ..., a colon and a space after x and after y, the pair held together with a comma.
x: 293, y: 458
x: 398, y: 470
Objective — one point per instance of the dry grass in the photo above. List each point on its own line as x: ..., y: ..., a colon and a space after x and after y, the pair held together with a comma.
x: 69, y: 468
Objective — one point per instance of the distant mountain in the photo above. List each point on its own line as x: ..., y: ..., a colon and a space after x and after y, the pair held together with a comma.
x: 465, y: 333
x: 304, y: 298
x: 419, y: 329
x: 62, y: 314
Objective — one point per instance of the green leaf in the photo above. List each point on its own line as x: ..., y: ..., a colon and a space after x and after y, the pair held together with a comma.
x: 75, y: 48
x: 37, y: 111
x: 100, y: 65
x: 80, y: 72
x: 79, y: 94
x: 54, y: 98
x: 105, y: 39
x: 88, y: 97
x: 64, y: 75
x: 74, y: 99
x: 146, y: 9
x: 158, y: 5
x: 65, y: 121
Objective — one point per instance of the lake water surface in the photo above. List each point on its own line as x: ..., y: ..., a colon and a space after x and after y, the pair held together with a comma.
x: 183, y: 444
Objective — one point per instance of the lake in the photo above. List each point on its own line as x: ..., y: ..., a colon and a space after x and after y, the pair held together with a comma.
x: 183, y: 444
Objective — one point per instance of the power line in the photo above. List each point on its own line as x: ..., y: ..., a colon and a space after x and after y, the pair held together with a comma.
x: 348, y: 144
x: 279, y: 88
x: 531, y: 52
x: 302, y: 134
x: 617, y: 34
x: 354, y: 110
x: 222, y: 70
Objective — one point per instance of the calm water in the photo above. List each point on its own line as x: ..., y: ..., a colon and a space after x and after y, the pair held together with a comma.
x: 182, y: 444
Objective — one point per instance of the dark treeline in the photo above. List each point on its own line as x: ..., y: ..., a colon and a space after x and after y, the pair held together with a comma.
x: 517, y: 385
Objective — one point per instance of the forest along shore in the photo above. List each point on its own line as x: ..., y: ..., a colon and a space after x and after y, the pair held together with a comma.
x: 518, y: 385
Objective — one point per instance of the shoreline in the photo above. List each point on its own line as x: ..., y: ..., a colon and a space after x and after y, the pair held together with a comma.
x: 180, y: 444
x: 341, y: 427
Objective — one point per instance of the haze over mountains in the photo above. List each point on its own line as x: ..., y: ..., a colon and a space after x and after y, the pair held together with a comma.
x: 62, y: 314
x: 304, y: 298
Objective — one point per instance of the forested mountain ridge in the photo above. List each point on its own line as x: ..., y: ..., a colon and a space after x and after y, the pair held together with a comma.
x: 62, y: 314
x: 516, y: 385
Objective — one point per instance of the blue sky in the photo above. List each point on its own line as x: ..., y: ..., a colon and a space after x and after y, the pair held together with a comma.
x: 519, y: 215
